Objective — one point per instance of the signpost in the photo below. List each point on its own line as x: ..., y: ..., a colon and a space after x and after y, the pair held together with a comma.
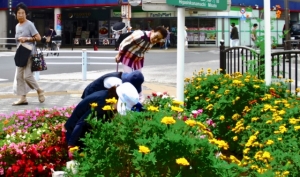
x: 201, y: 4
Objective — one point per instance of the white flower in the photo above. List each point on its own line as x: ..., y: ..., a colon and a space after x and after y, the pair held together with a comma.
x: 7, y: 136
x: 165, y: 96
x: 19, y: 131
x: 23, y: 137
x: 159, y: 93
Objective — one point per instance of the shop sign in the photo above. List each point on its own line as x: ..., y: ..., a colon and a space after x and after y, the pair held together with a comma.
x: 79, y: 15
x: 160, y: 14
x: 202, y: 4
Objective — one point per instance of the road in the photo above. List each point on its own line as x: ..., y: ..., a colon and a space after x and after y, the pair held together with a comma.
x: 155, y: 59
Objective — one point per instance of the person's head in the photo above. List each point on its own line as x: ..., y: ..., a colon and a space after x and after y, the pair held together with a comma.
x: 128, y: 97
x: 158, y: 34
x: 233, y: 24
x: 136, y: 78
x: 21, y: 11
x: 255, y: 25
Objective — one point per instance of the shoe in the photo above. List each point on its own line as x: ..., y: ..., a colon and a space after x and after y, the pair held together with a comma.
x: 41, y: 96
x: 20, y: 102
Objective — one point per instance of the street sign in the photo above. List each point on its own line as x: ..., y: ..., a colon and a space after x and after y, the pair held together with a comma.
x: 243, y: 10
x: 134, y: 2
x: 201, y: 4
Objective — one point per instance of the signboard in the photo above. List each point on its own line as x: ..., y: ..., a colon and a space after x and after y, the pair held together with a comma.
x: 156, y: 5
x: 202, y: 4
x: 243, y: 10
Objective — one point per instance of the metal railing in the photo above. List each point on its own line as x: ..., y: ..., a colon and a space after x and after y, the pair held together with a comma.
x: 8, y: 42
x: 83, y: 55
x: 244, y: 59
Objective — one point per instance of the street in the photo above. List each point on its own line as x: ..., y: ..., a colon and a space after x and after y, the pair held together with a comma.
x: 155, y: 59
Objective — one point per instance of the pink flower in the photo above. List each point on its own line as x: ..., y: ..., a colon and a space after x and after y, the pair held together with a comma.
x: 210, y: 122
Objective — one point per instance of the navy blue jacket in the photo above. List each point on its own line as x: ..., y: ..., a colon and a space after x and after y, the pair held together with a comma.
x: 76, y: 125
x: 98, y: 84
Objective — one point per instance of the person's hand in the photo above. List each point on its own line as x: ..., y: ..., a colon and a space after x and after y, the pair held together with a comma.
x: 22, y: 39
x: 117, y: 58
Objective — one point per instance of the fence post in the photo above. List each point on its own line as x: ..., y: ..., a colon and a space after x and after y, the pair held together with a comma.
x: 222, y: 57
x: 84, y: 64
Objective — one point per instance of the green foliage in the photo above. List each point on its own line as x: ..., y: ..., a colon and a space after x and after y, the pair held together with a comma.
x: 254, y: 119
x: 112, y: 149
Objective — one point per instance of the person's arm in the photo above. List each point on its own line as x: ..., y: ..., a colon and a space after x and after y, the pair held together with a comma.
x: 34, y: 33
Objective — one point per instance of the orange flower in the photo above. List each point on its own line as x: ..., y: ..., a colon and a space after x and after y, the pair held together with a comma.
x: 247, y: 15
x: 5, y: 122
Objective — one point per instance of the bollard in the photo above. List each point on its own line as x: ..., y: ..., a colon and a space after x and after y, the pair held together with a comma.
x: 222, y: 57
x: 84, y: 64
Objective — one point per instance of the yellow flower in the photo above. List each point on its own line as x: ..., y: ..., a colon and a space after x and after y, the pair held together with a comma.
x: 256, y: 86
x: 297, y: 90
x: 246, y: 80
x: 196, y: 98
x: 237, y: 98
x: 235, y: 138
x: 281, y: 112
x: 73, y: 149
x: 293, y: 121
x: 245, y: 151
x: 226, y: 92
x: 144, y: 149
x: 212, y: 92
x: 168, y: 120
x: 222, y: 118
x: 254, y: 119
x: 279, y: 139
x: 215, y: 87
x: 177, y: 109
x: 177, y: 102
x: 182, y: 161
x: 282, y: 129
x: 107, y: 108
x: 296, y: 128
x: 210, y: 107
x: 286, y: 173
x: 266, y: 155
x: 268, y: 122
x: 111, y: 101
x: 93, y: 105
x: 81, y: 154
x: 236, y: 116
x: 153, y: 109
x: 269, y: 142
x: 191, y: 122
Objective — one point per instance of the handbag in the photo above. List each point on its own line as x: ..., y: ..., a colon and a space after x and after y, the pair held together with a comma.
x: 22, y: 54
x: 38, y: 62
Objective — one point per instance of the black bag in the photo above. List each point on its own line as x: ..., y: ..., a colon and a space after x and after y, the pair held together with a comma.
x: 22, y: 55
x: 38, y: 62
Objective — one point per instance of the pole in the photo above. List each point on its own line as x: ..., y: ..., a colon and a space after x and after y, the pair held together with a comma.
x: 287, y: 45
x: 180, y: 52
x: 267, y: 55
x: 84, y: 64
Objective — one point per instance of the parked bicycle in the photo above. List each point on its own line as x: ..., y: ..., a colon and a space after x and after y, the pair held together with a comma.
x: 54, y: 45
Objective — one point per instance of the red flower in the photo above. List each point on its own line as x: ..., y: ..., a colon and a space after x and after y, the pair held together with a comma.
x: 154, y: 94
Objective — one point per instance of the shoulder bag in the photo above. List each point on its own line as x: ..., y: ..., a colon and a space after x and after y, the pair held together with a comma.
x: 38, y: 62
x: 22, y: 54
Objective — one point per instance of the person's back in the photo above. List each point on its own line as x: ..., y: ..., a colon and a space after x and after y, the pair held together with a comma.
x: 234, y: 35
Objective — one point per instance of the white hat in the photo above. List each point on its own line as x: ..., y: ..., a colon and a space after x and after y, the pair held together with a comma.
x: 109, y: 82
x: 128, y: 97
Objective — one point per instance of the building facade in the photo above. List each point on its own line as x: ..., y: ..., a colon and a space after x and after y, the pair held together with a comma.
x: 74, y: 19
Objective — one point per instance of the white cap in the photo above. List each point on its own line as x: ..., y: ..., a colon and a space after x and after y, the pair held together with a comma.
x: 128, y: 97
x: 109, y: 82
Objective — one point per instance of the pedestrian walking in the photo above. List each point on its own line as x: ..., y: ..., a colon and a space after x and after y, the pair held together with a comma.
x: 26, y: 35
x: 49, y: 35
x: 254, y: 35
x: 234, y: 35
x: 167, y: 39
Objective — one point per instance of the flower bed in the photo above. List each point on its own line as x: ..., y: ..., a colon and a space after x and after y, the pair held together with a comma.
x: 32, y: 142
x: 228, y: 125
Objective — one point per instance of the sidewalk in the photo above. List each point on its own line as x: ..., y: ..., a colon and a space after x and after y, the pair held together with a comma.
x: 61, y: 94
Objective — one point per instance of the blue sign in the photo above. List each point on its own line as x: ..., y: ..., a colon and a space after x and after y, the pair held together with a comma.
x: 243, y: 17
